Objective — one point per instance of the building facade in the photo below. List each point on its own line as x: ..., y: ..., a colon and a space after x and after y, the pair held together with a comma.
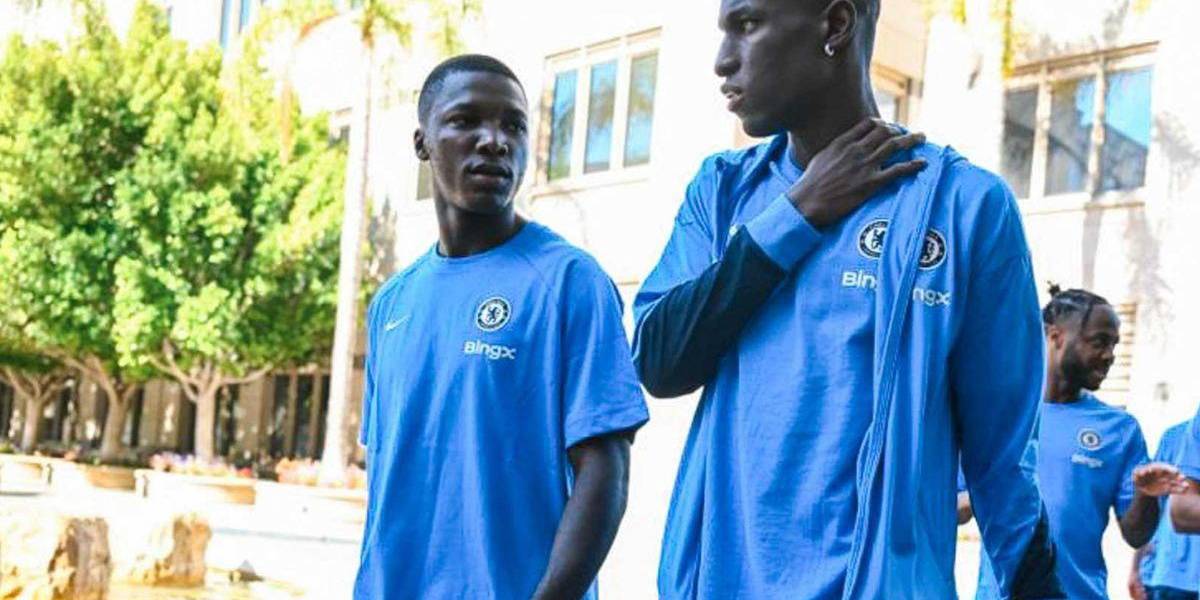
x: 1086, y: 107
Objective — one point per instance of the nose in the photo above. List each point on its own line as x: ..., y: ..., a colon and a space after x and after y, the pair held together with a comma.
x: 493, y: 142
x: 727, y: 61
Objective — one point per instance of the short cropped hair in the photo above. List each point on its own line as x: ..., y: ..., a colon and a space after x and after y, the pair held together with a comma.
x: 463, y: 63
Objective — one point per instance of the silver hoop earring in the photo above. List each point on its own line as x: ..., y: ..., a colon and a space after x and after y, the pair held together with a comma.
x: 828, y: 50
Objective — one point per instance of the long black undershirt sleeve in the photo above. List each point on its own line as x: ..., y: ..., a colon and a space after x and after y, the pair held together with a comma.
x: 684, y: 336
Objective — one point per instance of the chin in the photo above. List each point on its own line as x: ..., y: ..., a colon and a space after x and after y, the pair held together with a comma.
x: 760, y: 126
x: 487, y: 204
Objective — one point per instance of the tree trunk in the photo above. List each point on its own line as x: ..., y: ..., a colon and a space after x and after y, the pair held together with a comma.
x: 32, y: 425
x: 206, y: 423
x: 114, y: 426
x: 338, y: 440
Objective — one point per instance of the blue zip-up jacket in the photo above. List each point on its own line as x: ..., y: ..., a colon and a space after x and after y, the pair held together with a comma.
x: 935, y: 348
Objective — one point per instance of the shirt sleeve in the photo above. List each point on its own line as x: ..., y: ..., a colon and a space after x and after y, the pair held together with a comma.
x: 368, y: 399
x: 1189, y: 450
x: 601, y: 394
x: 695, y: 303
x: 1136, y: 455
x: 996, y: 371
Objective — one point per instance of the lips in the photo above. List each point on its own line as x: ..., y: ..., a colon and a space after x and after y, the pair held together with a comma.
x: 490, y: 170
x: 734, y: 96
x: 490, y: 175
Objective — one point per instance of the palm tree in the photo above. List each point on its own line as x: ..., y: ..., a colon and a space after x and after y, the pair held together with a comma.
x: 375, y: 20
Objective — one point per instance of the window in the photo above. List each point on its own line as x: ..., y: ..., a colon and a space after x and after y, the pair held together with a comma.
x: 643, y: 75
x: 6, y: 411
x: 244, y: 14
x: 600, y: 117
x: 1126, y: 130
x: 131, y: 435
x: 226, y: 7
x: 611, y: 86
x: 562, y: 126
x: 889, y: 105
x: 891, y: 89
x: 1016, y: 153
x: 1072, y: 105
x: 1078, y: 126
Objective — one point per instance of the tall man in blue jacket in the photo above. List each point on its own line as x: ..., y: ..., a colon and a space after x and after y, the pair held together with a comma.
x: 860, y: 309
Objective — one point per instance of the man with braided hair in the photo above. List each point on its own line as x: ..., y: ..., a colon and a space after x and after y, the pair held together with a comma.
x: 1090, y: 456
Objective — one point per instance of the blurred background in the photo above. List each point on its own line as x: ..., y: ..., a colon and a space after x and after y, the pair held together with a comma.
x: 197, y: 197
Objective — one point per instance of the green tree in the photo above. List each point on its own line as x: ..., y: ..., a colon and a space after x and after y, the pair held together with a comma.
x: 159, y: 222
x: 376, y: 20
x: 233, y: 230
x: 35, y: 380
x: 71, y: 118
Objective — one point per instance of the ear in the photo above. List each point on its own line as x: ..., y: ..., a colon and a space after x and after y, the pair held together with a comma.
x: 841, y: 24
x: 419, y: 144
x: 1055, y: 336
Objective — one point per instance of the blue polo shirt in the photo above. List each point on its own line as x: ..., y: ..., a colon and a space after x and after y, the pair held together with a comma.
x: 481, y: 372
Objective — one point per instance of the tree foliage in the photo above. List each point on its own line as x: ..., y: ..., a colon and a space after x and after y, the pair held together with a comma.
x: 156, y: 223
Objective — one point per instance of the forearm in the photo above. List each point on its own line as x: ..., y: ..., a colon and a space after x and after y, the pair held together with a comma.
x: 683, y: 337
x: 1185, y: 513
x: 1140, y: 520
x: 589, y: 523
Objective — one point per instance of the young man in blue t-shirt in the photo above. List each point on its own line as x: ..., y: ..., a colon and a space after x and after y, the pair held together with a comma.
x: 1090, y: 456
x: 500, y: 398
x: 859, y: 308
x: 1168, y: 568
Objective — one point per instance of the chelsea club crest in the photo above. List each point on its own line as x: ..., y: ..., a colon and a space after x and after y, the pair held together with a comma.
x: 493, y: 314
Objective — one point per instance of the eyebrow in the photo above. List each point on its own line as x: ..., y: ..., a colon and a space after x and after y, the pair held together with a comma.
x: 510, y: 110
x: 740, y: 9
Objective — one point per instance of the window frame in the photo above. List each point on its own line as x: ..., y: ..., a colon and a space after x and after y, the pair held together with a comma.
x: 1042, y: 76
x: 623, y: 50
x: 897, y: 84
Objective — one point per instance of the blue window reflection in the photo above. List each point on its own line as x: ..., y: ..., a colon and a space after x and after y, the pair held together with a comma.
x: 1126, y: 130
x: 602, y: 96
x: 1072, y: 112
x: 643, y: 76
x: 562, y: 125
x: 1016, y: 152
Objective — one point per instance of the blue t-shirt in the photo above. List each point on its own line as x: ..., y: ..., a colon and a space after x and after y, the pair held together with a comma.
x: 1086, y: 454
x: 480, y: 373
x: 1175, y: 559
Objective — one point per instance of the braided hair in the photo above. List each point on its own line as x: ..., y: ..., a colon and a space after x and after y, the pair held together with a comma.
x: 1063, y: 304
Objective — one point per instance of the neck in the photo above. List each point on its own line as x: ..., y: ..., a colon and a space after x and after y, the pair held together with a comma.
x: 462, y: 233
x: 840, y: 110
x: 1059, y: 390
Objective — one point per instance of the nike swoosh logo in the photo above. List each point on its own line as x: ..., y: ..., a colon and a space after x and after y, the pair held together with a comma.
x: 390, y: 325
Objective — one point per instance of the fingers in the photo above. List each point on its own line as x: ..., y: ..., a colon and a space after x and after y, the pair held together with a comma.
x: 859, y: 130
x: 879, y: 133
x: 894, y: 145
x: 899, y: 170
x: 1156, y: 470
